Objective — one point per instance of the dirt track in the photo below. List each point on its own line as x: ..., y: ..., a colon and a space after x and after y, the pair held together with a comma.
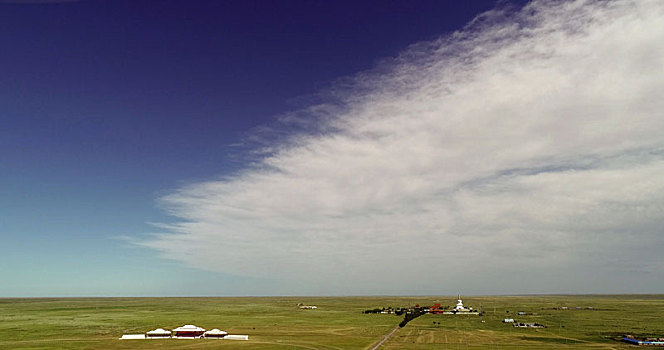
x: 385, y: 338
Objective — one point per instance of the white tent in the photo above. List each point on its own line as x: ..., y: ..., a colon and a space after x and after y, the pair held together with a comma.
x: 159, y: 333
x: 215, y: 333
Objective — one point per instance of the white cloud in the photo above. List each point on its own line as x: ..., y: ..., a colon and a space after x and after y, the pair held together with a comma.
x: 525, y: 152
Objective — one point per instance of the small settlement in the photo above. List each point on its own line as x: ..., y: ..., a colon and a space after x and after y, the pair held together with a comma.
x: 527, y: 325
x: 188, y: 331
x: 646, y: 342
x: 459, y: 309
x: 523, y: 324
x: 417, y: 311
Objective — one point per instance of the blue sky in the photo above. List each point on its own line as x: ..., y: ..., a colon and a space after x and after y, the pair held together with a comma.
x: 106, y: 105
x: 262, y: 148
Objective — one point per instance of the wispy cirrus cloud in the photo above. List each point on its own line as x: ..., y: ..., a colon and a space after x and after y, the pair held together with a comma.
x: 521, y: 154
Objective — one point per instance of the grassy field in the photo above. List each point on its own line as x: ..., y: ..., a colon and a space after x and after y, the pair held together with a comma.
x: 338, y: 323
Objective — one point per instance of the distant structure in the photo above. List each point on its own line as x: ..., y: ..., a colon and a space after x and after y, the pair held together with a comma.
x: 215, y: 333
x: 527, y: 325
x: 647, y: 342
x: 459, y: 306
x: 133, y: 336
x: 460, y: 309
x: 158, y: 333
x: 188, y: 331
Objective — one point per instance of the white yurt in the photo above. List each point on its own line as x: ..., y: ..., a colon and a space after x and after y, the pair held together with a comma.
x: 215, y: 333
x: 158, y: 333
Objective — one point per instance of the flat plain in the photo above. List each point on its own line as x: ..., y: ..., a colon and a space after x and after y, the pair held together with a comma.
x: 588, y: 322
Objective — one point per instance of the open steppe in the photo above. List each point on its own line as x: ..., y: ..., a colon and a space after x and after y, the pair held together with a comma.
x: 338, y: 323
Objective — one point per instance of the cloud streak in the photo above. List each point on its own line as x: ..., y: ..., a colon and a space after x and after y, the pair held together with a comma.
x: 523, y: 153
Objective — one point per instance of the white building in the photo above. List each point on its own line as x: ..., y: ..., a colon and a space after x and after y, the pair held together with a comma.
x: 459, y: 306
x: 460, y: 309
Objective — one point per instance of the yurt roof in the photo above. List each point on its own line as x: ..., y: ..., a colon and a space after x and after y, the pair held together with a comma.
x: 189, y: 328
x: 159, y: 331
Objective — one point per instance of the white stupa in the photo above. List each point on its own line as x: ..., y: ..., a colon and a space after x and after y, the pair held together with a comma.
x: 459, y: 309
x: 459, y: 306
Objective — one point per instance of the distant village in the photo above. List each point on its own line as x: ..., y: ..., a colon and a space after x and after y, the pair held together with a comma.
x: 307, y: 307
x: 645, y: 341
x: 434, y: 309
x: 411, y: 313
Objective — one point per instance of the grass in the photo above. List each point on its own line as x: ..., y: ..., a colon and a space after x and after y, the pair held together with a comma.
x: 338, y: 323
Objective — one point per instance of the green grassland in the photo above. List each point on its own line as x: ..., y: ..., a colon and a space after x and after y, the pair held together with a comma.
x: 338, y: 323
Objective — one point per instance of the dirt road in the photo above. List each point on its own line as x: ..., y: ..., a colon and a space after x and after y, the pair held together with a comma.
x: 385, y: 338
